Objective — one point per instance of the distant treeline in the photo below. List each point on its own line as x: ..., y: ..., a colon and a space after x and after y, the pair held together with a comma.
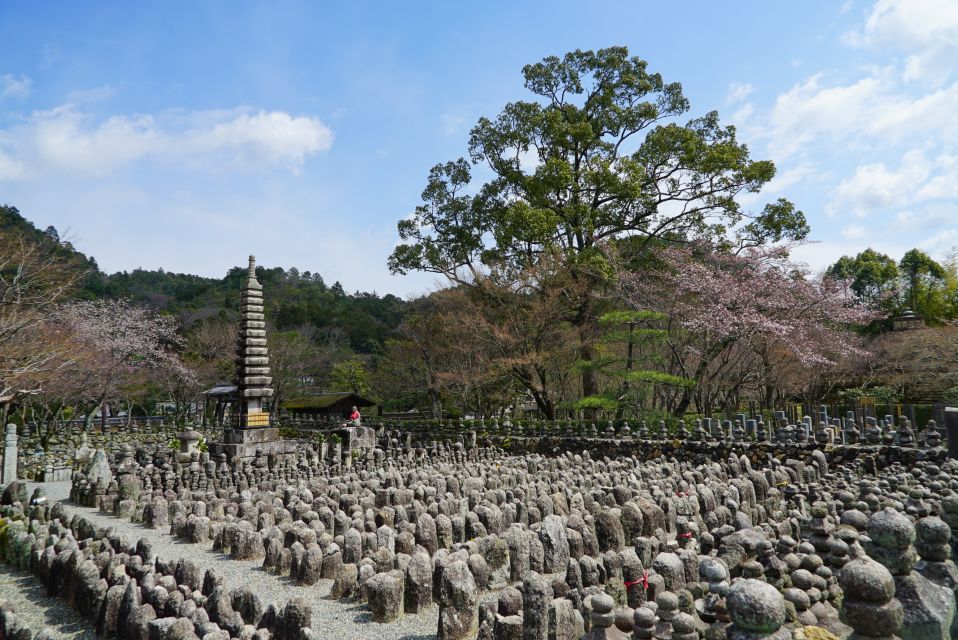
x: 293, y: 299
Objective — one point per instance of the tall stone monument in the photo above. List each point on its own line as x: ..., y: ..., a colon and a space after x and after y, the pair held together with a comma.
x: 9, y: 471
x: 251, y: 428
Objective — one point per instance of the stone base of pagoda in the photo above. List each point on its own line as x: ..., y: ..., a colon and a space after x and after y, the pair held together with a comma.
x: 244, y: 443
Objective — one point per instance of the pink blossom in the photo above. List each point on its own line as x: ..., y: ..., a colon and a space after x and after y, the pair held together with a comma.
x: 759, y: 293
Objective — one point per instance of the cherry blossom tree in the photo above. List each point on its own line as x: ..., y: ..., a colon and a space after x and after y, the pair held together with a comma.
x: 735, y: 316
x: 125, y: 338
x: 35, y: 277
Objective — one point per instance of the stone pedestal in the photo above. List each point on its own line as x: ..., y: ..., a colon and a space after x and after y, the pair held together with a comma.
x: 244, y: 443
x: 929, y: 609
x: 357, y: 437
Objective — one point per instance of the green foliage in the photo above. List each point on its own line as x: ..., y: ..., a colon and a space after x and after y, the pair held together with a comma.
x: 350, y: 375
x: 624, y: 316
x: 657, y: 377
x: 602, y: 402
x: 628, y: 387
x: 779, y: 220
x: 605, y: 153
x: 922, y: 278
x: 71, y: 261
x: 916, y: 282
x: 292, y: 299
x: 202, y: 446
x: 873, y: 277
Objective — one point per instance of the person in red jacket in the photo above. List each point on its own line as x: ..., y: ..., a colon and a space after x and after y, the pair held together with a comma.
x: 354, y: 418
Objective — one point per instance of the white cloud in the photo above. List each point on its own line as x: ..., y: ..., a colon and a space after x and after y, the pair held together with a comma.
x: 738, y: 91
x: 820, y: 255
x: 66, y: 139
x: 275, y: 135
x: 871, y: 110
x: 931, y: 216
x: 917, y: 179
x: 778, y: 185
x: 941, y: 241
x: 854, y: 232
x: 926, y: 30
x: 809, y: 111
x: 788, y: 178
x: 15, y: 87
x: 10, y: 169
x: 874, y: 186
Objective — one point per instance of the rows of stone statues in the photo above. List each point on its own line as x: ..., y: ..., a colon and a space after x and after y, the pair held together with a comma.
x: 766, y: 543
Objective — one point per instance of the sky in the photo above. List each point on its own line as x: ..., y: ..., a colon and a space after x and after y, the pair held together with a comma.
x: 187, y: 135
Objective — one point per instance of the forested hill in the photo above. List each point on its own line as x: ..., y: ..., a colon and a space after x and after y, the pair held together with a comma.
x: 293, y: 299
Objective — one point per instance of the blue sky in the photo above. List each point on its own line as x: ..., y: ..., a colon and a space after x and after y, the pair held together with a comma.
x: 187, y: 135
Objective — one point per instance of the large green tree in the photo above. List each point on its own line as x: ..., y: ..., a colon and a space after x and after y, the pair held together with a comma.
x: 599, y: 155
x: 921, y: 276
x: 873, y: 277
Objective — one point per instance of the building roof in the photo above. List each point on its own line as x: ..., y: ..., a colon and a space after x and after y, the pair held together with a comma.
x: 221, y: 389
x: 326, y: 400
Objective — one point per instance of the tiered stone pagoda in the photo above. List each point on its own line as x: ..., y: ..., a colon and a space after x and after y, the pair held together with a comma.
x: 251, y: 428
x: 252, y: 359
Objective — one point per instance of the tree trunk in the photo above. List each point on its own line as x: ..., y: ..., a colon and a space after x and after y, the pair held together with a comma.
x: 590, y: 386
x: 436, y: 403
x: 684, y: 402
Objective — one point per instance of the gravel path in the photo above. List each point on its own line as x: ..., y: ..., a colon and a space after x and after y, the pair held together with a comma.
x: 331, y: 618
x: 36, y: 610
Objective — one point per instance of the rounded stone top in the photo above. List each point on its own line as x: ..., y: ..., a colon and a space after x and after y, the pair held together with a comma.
x: 756, y: 606
x: 510, y: 601
x: 864, y: 580
x: 837, y: 547
x: 855, y: 518
x: 667, y: 601
x: 845, y: 497
x: 623, y: 619
x: 933, y: 530
x: 644, y: 618
x: 891, y: 529
x: 786, y: 542
x: 798, y: 598
x: 950, y: 503
x: 713, y: 570
x: 812, y: 562
x: 602, y: 603
x: 683, y: 623
x: 802, y: 579
x: 753, y: 569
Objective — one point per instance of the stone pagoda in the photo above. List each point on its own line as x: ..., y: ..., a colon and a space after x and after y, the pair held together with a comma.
x: 250, y: 426
x: 252, y: 359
